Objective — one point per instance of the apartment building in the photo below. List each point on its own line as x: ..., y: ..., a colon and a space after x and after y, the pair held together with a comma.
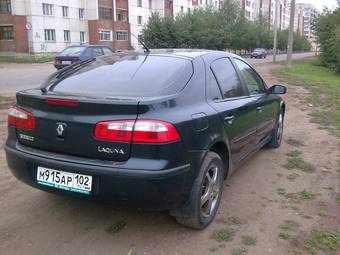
x: 266, y: 8
x: 45, y: 26
x: 307, y: 13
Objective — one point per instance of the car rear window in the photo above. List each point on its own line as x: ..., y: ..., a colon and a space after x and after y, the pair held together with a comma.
x: 131, y: 76
x: 72, y: 51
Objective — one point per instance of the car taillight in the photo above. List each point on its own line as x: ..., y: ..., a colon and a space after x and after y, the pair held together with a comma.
x: 20, y: 118
x: 140, y: 131
x: 59, y: 101
x: 57, y: 62
x: 75, y: 61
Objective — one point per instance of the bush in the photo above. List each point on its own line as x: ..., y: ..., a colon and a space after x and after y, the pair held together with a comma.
x: 328, y: 30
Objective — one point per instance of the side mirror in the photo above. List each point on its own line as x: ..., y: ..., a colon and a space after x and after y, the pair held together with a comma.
x: 277, y: 90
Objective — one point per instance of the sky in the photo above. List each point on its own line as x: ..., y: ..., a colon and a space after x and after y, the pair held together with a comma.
x: 320, y: 3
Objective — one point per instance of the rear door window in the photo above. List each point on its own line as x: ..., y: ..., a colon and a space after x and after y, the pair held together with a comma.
x: 253, y: 81
x: 129, y: 75
x: 96, y: 52
x: 227, y: 78
x: 107, y: 52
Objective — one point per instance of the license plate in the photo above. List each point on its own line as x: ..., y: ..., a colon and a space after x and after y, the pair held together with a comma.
x: 64, y: 180
x: 66, y: 62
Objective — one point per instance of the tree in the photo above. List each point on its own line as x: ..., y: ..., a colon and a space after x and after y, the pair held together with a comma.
x: 209, y: 28
x: 328, y: 30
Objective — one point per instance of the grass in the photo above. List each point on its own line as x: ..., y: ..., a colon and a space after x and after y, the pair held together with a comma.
x: 305, y: 195
x: 338, y: 199
x: 323, y: 240
x: 116, y: 227
x: 26, y: 59
x: 287, y: 228
x: 281, y: 191
x: 295, y: 142
x: 324, y: 86
x: 294, y: 153
x: 224, y: 234
x: 234, y: 220
x: 249, y: 240
x: 299, y: 163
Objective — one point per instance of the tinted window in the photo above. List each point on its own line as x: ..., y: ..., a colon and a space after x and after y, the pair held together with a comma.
x: 129, y: 75
x: 214, y: 91
x: 227, y: 78
x: 96, y: 52
x: 107, y: 51
x: 72, y: 51
x: 253, y: 81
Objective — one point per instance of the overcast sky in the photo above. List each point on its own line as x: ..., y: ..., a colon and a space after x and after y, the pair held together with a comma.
x: 320, y: 3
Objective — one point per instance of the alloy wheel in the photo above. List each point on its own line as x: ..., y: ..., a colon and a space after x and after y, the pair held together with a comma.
x: 210, y: 191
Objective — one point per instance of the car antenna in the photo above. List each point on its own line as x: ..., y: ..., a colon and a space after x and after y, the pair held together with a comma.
x: 147, y: 50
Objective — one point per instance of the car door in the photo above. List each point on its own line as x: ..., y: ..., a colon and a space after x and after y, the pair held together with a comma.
x: 265, y: 103
x: 228, y: 98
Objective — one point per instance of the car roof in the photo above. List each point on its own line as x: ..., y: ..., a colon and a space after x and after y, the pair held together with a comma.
x: 188, y: 53
x: 86, y: 46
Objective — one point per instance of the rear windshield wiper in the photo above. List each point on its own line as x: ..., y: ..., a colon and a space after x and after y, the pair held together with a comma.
x: 63, y: 73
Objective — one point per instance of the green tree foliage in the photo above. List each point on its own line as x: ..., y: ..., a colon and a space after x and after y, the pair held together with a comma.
x: 328, y: 30
x: 208, y: 28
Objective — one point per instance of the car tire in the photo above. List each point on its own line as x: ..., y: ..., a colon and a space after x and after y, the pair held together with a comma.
x: 206, y: 193
x: 276, y: 139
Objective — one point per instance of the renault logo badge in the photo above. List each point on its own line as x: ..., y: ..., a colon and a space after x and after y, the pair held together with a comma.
x: 61, y: 130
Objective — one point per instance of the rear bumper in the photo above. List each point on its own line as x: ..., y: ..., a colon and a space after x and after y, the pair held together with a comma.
x: 159, y: 190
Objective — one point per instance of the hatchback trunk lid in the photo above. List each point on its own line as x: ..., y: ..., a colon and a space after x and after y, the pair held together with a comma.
x: 68, y: 128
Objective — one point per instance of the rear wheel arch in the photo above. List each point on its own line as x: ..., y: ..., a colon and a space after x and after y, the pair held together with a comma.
x: 223, y: 151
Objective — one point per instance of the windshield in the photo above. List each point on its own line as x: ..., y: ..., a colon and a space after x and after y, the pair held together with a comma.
x: 72, y: 51
x: 129, y: 75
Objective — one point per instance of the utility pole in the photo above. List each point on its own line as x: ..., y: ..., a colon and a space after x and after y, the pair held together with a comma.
x: 275, y: 30
x: 291, y: 34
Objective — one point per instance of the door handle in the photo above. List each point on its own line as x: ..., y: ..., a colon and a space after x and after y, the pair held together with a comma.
x: 259, y: 108
x: 229, y: 119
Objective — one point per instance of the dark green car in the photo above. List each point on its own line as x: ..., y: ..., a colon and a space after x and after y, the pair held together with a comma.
x: 160, y: 131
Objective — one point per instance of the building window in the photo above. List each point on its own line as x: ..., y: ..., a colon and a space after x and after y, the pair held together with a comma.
x: 121, y: 35
x: 47, y: 9
x: 81, y: 13
x: 121, y: 14
x: 150, y: 4
x: 67, y: 36
x: 139, y: 3
x: 5, y: 6
x: 139, y: 20
x: 65, y: 11
x: 105, y: 35
x: 6, y: 33
x: 168, y: 4
x: 50, y: 35
x: 82, y: 37
x: 105, y: 12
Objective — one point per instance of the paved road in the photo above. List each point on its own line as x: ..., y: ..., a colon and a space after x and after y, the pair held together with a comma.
x: 281, y: 57
x: 15, y: 77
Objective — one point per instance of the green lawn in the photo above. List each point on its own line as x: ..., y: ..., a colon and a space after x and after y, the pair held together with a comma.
x: 26, y: 59
x: 324, y: 86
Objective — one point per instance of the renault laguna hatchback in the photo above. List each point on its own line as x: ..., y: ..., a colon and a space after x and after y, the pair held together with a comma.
x: 159, y: 131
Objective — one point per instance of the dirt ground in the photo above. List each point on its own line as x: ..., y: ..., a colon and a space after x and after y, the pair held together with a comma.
x: 35, y: 222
